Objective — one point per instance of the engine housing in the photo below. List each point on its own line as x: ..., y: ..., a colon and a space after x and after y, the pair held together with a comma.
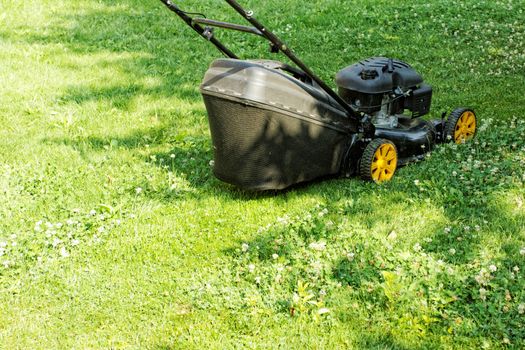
x: 385, y: 86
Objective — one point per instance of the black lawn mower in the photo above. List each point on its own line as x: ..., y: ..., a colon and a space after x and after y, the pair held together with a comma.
x: 273, y: 125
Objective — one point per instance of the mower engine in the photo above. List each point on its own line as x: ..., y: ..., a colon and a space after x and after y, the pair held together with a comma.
x: 384, y: 88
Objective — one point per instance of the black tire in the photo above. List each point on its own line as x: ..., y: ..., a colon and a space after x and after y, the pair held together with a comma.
x: 378, y: 163
x: 461, y: 125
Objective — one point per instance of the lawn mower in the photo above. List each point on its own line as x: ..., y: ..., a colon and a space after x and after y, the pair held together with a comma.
x: 274, y: 125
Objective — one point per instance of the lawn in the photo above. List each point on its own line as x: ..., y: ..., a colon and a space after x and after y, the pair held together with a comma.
x: 115, y: 234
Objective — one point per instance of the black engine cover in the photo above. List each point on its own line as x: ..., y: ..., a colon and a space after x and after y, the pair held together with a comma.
x: 378, y: 75
x: 365, y: 84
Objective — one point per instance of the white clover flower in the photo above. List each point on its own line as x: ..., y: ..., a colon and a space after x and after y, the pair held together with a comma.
x: 258, y: 279
x: 212, y: 163
x: 521, y: 309
x: 416, y: 182
x: 522, y: 251
x: 516, y: 269
x: 319, y: 246
x: 251, y: 268
x: 64, y: 253
x: 483, y: 294
x: 245, y: 247
x: 479, y: 279
x: 447, y: 229
x: 93, y: 212
x: 283, y: 220
x: 37, y: 227
x: 275, y: 256
x: 417, y: 247
x: 316, y: 265
x: 493, y: 268
x: 350, y: 256
x: 138, y: 190
x: 75, y: 242
x: 323, y: 212
x: 172, y: 156
x: 6, y: 263
x: 56, y: 242
x: 3, y: 244
x: 452, y: 251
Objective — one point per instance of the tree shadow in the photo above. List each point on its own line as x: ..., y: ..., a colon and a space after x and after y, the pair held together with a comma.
x: 138, y: 55
x: 464, y: 238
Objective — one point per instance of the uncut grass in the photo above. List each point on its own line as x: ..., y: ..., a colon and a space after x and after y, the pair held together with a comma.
x: 103, y: 127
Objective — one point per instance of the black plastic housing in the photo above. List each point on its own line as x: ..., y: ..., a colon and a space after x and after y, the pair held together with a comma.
x: 419, y: 101
x: 413, y: 138
x: 365, y: 83
x: 367, y: 103
x: 377, y: 75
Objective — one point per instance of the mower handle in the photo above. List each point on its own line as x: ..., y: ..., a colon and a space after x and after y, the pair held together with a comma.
x: 360, y: 121
x: 227, y: 25
x: 199, y: 29
x: 281, y: 46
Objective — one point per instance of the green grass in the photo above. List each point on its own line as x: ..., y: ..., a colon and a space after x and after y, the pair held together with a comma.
x: 115, y: 234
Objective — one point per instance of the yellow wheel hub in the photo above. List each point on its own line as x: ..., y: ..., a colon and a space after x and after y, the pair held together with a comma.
x: 384, y: 163
x: 465, y: 127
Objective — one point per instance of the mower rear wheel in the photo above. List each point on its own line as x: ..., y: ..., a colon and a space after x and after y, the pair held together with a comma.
x: 461, y: 125
x: 379, y: 161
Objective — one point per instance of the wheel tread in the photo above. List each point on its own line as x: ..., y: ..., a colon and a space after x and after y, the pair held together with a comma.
x: 452, y: 122
x: 366, y: 164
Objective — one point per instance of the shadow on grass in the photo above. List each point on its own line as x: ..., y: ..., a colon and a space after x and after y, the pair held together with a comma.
x: 122, y: 97
x: 360, y: 274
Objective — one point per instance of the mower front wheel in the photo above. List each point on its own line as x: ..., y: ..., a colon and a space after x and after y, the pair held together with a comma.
x: 379, y: 161
x: 461, y: 125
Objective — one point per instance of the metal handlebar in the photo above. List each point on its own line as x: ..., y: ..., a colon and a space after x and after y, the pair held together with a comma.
x: 261, y: 30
